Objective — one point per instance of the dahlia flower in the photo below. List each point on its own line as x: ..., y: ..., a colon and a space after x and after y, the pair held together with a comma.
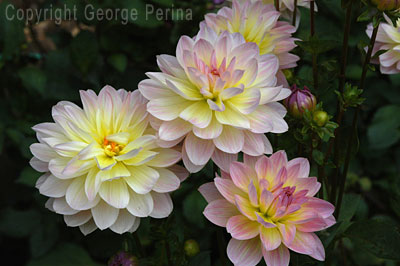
x: 219, y: 96
x: 268, y: 207
x: 102, y: 167
x: 286, y: 8
x: 258, y: 23
x: 388, y: 38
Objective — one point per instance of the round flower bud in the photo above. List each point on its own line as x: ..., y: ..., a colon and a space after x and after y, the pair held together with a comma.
x: 191, y: 247
x: 123, y: 258
x: 386, y: 5
x: 299, y: 101
x: 320, y: 117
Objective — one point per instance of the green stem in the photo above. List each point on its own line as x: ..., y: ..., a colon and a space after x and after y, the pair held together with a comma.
x: 277, y: 5
x: 340, y: 111
x: 345, y: 46
x: 336, y: 157
x: 294, y: 13
x: 168, y: 251
x: 312, y: 33
x: 355, y: 118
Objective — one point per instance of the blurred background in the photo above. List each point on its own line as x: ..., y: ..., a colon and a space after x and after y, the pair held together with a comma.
x: 46, y: 61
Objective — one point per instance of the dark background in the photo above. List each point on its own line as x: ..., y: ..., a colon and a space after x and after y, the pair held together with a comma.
x: 43, y: 63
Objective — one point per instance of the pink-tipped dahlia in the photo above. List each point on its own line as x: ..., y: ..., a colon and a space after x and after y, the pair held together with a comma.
x: 219, y: 95
x: 258, y: 23
x: 388, y: 38
x: 268, y: 206
x: 102, y: 165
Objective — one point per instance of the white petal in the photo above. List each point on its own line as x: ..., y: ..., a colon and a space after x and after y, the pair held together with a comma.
x: 54, y: 187
x: 162, y: 205
x: 76, y: 196
x: 104, y: 215
x: 115, y: 192
x: 231, y: 140
x: 142, y: 179
x: 88, y: 227
x: 39, y: 165
x: 61, y: 206
x: 124, y: 222
x: 78, y: 219
x: 167, y: 182
x: 140, y: 205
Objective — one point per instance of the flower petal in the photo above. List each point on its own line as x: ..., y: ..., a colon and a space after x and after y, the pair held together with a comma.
x: 124, y: 222
x: 78, y: 219
x: 244, y: 252
x: 199, y: 150
x: 223, y: 160
x: 228, y: 189
x: 162, y: 205
x: 199, y: 114
x: 210, y: 192
x: 115, y: 192
x: 172, y: 130
x: 231, y: 140
x: 277, y: 257
x: 242, y: 228
x: 140, y: 205
x: 104, y: 215
x: 167, y: 181
x: 219, y: 211
x: 142, y: 179
x: 270, y: 238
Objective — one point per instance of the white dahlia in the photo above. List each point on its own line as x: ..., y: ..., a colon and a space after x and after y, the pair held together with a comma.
x: 102, y: 165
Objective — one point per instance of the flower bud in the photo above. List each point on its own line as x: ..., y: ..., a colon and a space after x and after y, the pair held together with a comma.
x: 191, y: 247
x: 299, y: 101
x: 123, y: 258
x: 320, y: 118
x: 386, y: 5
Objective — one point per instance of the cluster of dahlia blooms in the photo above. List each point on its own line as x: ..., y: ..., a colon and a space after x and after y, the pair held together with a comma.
x: 387, y: 39
x: 102, y: 165
x: 115, y: 160
x: 268, y: 206
x: 219, y: 96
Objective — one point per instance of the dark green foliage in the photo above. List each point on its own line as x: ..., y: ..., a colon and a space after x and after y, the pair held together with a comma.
x: 34, y: 77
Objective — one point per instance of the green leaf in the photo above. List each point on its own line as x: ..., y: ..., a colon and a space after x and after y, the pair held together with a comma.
x: 33, y: 79
x: 18, y: 223
x: 317, y: 46
x: 65, y: 255
x: 28, y: 177
x: 318, y: 157
x: 384, y: 129
x: 380, y: 238
x: 84, y: 51
x: 365, y: 16
x: 118, y: 61
x: 349, y: 206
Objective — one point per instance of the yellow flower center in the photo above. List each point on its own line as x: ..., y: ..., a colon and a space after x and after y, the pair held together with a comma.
x: 112, y: 148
